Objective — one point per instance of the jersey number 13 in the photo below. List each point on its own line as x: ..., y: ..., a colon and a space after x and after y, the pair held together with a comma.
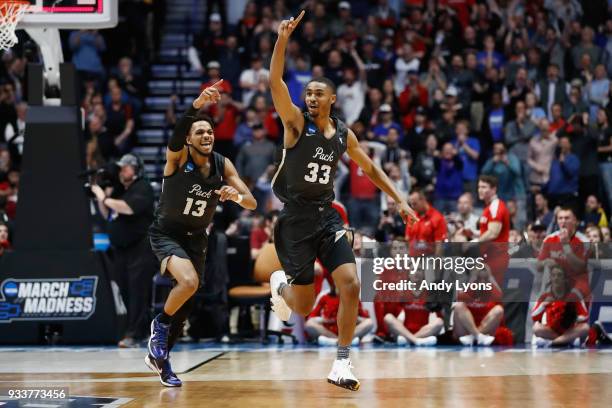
x: 198, y: 211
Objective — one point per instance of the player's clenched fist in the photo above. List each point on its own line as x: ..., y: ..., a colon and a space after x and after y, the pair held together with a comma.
x: 286, y: 27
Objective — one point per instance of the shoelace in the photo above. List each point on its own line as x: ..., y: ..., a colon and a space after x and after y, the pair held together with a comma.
x: 161, y: 337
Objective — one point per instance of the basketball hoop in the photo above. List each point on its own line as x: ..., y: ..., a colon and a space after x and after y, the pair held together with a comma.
x: 11, y: 12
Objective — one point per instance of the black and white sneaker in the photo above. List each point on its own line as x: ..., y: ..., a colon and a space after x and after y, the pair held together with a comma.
x: 164, y: 370
x: 342, y: 376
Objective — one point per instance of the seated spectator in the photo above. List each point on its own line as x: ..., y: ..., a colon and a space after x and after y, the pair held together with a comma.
x: 560, y: 317
x: 478, y: 315
x: 543, y: 215
x: 410, y: 321
x: 4, y: 238
x: 595, y: 214
x: 322, y: 323
x: 465, y: 222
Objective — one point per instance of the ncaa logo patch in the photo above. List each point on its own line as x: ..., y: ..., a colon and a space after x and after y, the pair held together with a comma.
x: 189, y: 167
x: 311, y: 130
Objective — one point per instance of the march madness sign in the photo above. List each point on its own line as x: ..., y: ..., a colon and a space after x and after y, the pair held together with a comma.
x: 48, y: 299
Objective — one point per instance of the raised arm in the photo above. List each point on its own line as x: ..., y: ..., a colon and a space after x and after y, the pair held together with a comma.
x: 378, y: 177
x: 292, y: 118
x: 176, y: 145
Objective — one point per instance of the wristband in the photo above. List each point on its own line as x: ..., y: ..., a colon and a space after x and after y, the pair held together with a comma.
x: 239, y: 200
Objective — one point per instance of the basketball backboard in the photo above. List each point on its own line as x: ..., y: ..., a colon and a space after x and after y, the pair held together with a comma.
x: 71, y: 14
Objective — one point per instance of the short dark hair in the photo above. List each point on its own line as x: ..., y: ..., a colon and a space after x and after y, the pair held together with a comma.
x: 490, y: 180
x: 324, y: 80
x: 199, y: 117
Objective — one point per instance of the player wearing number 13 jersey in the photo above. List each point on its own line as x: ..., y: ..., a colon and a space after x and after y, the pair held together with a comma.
x: 195, y: 180
x: 308, y: 227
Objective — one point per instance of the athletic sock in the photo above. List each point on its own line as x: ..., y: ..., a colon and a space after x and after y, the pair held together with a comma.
x: 282, y: 286
x: 343, y: 352
x: 164, y: 318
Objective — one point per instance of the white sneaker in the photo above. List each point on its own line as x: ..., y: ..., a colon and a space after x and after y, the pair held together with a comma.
x: 467, y: 340
x: 326, y: 341
x: 279, y: 306
x: 485, y: 339
x: 540, y: 342
x: 426, y: 341
x: 342, y: 376
x: 402, y: 341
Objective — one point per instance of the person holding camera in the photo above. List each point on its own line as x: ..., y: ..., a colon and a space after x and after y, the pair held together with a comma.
x: 128, y: 208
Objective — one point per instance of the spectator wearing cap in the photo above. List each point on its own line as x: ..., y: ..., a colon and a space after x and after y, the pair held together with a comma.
x: 251, y: 77
x: 213, y: 69
x: 211, y: 39
x: 386, y: 122
x: 128, y: 208
x: 338, y: 25
x: 562, y: 187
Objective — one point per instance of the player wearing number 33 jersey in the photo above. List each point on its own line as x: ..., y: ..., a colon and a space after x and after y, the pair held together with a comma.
x: 195, y: 180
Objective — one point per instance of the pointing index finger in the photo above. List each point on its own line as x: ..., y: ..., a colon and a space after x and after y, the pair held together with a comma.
x: 299, y: 18
x: 216, y: 83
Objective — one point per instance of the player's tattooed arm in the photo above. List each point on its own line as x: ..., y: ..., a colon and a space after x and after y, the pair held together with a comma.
x: 378, y: 177
x: 292, y: 118
x: 236, y: 190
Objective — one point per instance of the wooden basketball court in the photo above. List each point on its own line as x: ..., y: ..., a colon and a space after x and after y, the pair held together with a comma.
x: 287, y: 376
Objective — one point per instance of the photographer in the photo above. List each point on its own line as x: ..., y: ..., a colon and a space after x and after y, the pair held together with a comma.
x: 128, y: 208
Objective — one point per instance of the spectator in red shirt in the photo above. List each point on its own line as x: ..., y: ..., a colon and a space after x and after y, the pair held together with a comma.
x: 560, y: 316
x: 322, y: 323
x: 416, y: 326
x: 429, y: 229
x: 478, y: 314
x: 225, y: 113
x: 364, y: 202
x: 494, y: 228
x: 262, y: 232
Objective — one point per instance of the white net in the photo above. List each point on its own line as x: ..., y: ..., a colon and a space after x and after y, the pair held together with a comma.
x: 10, y: 14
